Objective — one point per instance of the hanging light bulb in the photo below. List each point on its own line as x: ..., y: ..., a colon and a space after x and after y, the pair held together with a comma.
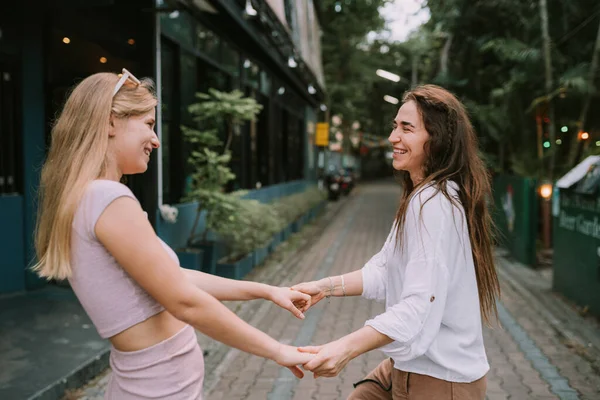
x: 311, y: 89
x: 249, y: 11
x: 292, y: 62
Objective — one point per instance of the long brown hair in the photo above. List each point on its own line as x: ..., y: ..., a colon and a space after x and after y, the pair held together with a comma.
x: 452, y: 155
x: 79, y: 154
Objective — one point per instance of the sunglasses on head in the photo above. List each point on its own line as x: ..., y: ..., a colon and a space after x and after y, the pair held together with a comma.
x: 125, y: 75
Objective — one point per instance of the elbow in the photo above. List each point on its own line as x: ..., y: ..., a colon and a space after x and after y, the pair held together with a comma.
x: 184, y: 312
x: 186, y: 306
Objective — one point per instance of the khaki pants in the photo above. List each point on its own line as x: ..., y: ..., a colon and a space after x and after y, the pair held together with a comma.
x: 387, y: 383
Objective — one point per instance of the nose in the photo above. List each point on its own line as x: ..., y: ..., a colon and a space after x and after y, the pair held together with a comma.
x: 154, y: 141
x: 394, y: 137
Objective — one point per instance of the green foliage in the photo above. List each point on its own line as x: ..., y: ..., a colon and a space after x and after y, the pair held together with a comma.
x: 496, y: 66
x: 224, y: 107
x: 209, y: 160
x: 245, y: 224
x: 349, y: 61
x: 242, y: 224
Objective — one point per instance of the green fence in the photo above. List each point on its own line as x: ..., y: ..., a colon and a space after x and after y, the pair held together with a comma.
x: 515, y: 213
x: 577, y: 249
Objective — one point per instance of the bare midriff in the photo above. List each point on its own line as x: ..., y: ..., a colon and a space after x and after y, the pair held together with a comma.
x: 147, y: 333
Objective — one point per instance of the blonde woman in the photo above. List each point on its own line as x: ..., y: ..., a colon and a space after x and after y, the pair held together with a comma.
x: 93, y: 232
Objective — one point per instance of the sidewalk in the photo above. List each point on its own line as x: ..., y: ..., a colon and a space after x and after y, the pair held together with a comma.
x: 543, y: 349
x: 46, y: 343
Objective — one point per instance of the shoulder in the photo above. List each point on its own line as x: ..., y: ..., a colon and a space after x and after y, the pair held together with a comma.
x: 430, y: 199
x: 435, y: 191
x: 98, y: 195
x: 99, y: 187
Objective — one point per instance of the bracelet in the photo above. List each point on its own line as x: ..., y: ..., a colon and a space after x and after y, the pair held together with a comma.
x: 343, y: 285
x: 330, y: 287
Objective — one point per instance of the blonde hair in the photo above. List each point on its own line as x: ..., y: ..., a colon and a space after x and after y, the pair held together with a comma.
x: 78, y: 155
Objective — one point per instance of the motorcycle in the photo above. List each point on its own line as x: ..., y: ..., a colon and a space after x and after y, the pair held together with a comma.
x: 334, y: 182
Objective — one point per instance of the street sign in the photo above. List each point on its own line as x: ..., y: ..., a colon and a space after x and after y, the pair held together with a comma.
x: 322, y: 137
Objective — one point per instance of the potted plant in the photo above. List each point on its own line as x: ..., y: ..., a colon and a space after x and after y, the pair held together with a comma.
x: 209, y: 159
x: 246, y: 227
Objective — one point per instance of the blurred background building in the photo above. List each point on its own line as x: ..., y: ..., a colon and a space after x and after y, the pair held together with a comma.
x: 269, y: 49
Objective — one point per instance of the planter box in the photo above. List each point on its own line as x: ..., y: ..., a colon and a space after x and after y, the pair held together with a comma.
x: 275, y: 242
x: 236, y: 270
x: 210, y: 251
x: 191, y: 258
x: 287, y: 231
x: 260, y: 254
x: 296, y: 225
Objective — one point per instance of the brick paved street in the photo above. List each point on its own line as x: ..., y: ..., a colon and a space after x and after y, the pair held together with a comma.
x: 542, y: 350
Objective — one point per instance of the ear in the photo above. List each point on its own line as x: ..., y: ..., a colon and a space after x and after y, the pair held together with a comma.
x: 111, y: 127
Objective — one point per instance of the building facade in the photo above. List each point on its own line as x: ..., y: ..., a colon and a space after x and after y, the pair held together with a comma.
x: 268, y: 49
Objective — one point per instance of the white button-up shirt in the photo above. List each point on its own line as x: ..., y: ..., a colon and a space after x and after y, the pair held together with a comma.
x: 429, y: 286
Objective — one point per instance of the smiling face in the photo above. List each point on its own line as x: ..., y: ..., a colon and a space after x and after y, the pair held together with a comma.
x: 408, y: 139
x: 131, y: 142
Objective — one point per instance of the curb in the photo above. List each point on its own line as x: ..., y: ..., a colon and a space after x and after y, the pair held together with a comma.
x: 591, y: 350
x: 76, y: 378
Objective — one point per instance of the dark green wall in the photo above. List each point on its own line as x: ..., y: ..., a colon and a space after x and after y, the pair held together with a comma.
x: 520, y: 238
x: 576, y: 245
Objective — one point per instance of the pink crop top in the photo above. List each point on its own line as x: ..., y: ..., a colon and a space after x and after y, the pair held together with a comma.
x: 110, y: 297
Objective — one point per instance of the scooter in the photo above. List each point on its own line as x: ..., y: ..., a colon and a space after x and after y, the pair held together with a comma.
x: 333, y: 181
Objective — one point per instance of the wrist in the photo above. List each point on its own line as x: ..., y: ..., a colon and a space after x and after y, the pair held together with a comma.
x: 274, y: 351
x: 266, y: 292
x: 352, y: 344
x: 324, y: 286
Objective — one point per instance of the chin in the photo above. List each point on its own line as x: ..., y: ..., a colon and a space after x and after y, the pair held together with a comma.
x: 140, y: 169
x: 398, y: 166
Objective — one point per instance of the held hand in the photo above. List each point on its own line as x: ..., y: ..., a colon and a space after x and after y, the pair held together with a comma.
x: 312, y: 289
x: 330, y: 358
x: 290, y: 357
x: 291, y: 300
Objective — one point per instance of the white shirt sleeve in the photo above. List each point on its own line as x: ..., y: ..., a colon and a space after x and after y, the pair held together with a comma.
x: 374, y: 273
x: 414, y: 321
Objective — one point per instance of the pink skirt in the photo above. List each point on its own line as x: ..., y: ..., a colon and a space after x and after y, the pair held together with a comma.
x: 172, y: 370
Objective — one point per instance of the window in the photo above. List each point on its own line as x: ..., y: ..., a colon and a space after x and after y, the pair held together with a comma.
x: 231, y: 59
x: 291, y: 18
x: 179, y: 26
x: 170, y: 121
x: 251, y: 74
x: 9, y: 130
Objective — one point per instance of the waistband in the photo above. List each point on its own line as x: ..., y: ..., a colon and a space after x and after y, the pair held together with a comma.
x: 180, y: 343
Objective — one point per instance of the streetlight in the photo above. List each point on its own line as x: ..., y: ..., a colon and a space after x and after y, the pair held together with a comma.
x: 249, y: 11
x: 391, y: 99
x: 546, y: 193
x: 388, y: 75
x: 292, y: 62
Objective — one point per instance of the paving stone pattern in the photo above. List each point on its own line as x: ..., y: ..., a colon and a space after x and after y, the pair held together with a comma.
x: 531, y: 355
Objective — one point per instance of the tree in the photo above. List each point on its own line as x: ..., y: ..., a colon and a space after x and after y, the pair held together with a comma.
x: 575, y: 146
x: 519, y: 82
x: 349, y: 60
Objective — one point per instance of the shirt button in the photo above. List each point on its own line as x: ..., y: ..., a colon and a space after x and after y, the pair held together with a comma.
x: 431, y: 299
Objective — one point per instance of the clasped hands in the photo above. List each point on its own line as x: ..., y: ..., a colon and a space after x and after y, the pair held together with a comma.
x: 323, y: 361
